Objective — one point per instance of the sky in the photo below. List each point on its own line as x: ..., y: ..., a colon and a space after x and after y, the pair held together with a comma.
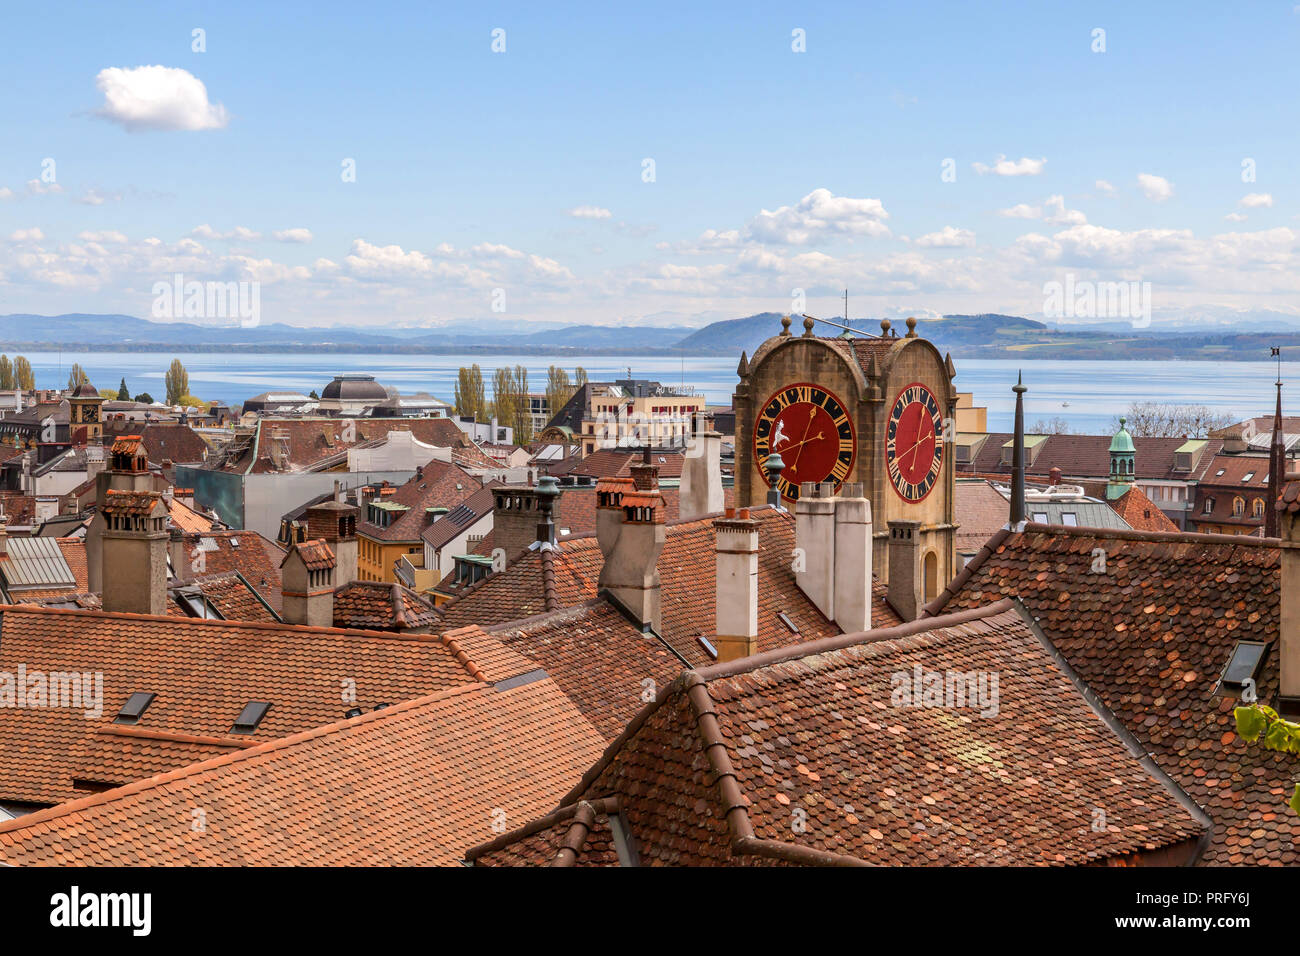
x: 417, y: 164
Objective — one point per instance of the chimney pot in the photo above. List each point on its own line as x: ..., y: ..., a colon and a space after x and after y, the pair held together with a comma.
x: 1288, y: 507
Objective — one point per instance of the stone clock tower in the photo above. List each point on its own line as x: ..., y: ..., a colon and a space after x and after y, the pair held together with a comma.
x: 879, y: 410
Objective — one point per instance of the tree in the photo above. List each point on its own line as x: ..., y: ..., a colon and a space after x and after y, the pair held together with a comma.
x: 6, y: 372
x: 1053, y: 426
x: 1257, y: 723
x: 108, y: 394
x: 470, y: 400
x: 177, y: 381
x: 122, y: 394
x: 579, y: 377
x: 1163, y: 420
x: 77, y: 376
x: 503, y: 396
x: 558, y: 389
x: 523, y: 423
x: 312, y: 394
x: 24, y: 377
x: 144, y: 398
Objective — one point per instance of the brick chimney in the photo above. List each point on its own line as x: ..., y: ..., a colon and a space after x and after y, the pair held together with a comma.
x: 1288, y: 643
x: 905, y: 568
x: 701, y: 485
x: 736, y: 545
x: 133, y: 549
x: 307, y: 578
x: 128, y: 471
x: 335, y: 523
x: 630, y: 572
x: 833, y: 535
x: 609, y: 512
x: 1054, y: 476
x: 4, y: 538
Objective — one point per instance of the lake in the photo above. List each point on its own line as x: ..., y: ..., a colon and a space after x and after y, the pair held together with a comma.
x: 1096, y: 391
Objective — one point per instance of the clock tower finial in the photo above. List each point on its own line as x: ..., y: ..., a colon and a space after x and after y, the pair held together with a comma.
x: 1276, y: 461
x: 1018, y: 457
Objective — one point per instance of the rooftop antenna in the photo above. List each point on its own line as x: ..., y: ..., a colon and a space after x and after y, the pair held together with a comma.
x: 846, y: 306
x: 841, y: 325
x: 1018, y: 459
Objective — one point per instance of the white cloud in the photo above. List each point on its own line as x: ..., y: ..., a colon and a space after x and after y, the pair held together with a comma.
x: 110, y: 235
x: 242, y: 233
x: 1256, y: 201
x: 93, y: 197
x: 590, y: 212
x: 1155, y: 188
x: 292, y: 235
x: 157, y: 97
x: 949, y: 237
x: 1105, y: 187
x: 1022, y: 211
x: 1236, y: 217
x: 1054, y: 212
x: 6, y: 193
x: 1002, y: 166
x: 37, y: 188
x: 26, y: 235
x: 817, y: 216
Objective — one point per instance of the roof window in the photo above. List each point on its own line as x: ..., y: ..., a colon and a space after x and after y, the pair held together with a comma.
x: 134, y: 708
x: 250, y: 716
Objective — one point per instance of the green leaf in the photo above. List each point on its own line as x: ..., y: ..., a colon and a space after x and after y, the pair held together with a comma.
x: 1295, y: 799
x: 1250, y: 723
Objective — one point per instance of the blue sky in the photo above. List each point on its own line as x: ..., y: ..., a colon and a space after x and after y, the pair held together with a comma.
x: 774, y: 170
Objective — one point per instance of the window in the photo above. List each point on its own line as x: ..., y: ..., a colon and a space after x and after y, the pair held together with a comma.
x: 1070, y: 519
x: 1247, y: 477
x: 1257, y: 506
x: 250, y: 716
x: 1243, y: 665
x: 1209, y: 506
x: 1238, y: 507
x: 1040, y: 517
x: 133, y: 708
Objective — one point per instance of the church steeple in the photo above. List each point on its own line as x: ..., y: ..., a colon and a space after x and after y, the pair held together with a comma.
x: 1123, y: 456
x: 1018, y: 458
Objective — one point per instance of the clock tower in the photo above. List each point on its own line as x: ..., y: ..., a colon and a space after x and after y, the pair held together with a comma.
x: 879, y: 410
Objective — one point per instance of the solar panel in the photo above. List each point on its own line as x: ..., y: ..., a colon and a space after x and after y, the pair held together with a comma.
x: 250, y: 716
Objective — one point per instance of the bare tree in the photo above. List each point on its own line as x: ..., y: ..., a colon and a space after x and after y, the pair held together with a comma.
x: 1167, y: 420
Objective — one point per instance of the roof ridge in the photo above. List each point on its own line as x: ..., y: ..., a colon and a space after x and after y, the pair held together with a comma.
x: 203, y: 766
x: 146, y: 733
x: 841, y: 641
x: 337, y: 632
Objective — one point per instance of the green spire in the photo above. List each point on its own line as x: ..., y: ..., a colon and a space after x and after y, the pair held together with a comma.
x: 1123, y: 462
x: 1122, y: 443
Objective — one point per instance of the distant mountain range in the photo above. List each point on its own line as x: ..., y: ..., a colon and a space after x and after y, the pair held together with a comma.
x: 1204, y: 336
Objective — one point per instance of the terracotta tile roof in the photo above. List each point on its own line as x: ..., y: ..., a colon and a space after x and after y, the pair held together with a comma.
x: 1088, y: 456
x: 614, y: 463
x: 596, y: 656
x: 164, y: 441
x: 1140, y: 512
x: 203, y: 673
x: 440, y: 485
x: 127, y: 444
x: 116, y: 755
x: 377, y: 606
x: 1151, y: 637
x: 74, y: 552
x: 316, y: 555
x: 247, y: 552
x: 227, y: 591
x: 413, y: 784
x: 1289, y: 502
x: 135, y: 503
x: 451, y: 525
x: 688, y: 609
x: 313, y: 440
x: 979, y: 510
x: 715, y: 771
x: 186, y: 518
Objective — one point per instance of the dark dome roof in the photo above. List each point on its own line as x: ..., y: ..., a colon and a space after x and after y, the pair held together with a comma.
x: 85, y: 390
x: 354, y: 388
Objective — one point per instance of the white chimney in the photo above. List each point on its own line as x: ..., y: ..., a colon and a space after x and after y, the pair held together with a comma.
x: 630, y: 572
x: 701, y: 485
x: 736, y: 544
x: 852, y: 560
x: 814, y: 534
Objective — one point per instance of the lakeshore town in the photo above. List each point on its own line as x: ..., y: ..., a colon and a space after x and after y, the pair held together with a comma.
x: 605, y: 623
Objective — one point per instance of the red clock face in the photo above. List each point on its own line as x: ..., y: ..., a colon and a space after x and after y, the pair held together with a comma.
x: 809, y: 427
x: 914, y: 442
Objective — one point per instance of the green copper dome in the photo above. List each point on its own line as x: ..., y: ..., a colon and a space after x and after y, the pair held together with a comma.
x: 1122, y: 443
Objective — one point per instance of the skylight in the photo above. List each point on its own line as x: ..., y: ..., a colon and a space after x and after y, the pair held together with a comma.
x: 1247, y: 477
x: 250, y: 716
x: 133, y: 708
x: 1244, y: 664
